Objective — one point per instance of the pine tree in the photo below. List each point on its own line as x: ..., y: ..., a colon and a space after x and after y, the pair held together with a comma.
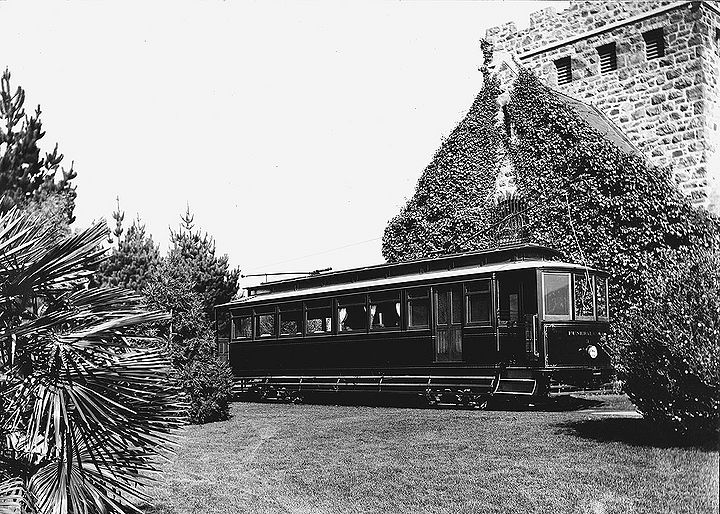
x: 25, y: 175
x: 194, y: 254
x: 52, y: 214
x: 134, y: 262
x: 118, y: 216
x: 189, y: 334
x: 190, y: 281
x: 451, y: 209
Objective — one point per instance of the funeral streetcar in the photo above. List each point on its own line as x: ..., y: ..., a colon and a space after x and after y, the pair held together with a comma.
x: 512, y: 321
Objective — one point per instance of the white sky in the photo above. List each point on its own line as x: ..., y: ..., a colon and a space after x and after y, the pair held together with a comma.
x: 295, y: 131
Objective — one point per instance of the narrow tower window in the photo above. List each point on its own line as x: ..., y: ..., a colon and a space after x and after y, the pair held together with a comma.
x: 608, y: 58
x: 654, y: 43
x: 564, y: 72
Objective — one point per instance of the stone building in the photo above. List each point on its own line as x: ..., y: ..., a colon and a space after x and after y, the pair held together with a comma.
x: 651, y: 66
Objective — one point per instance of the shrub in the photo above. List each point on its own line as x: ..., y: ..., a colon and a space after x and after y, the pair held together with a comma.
x: 208, y: 385
x: 671, y: 362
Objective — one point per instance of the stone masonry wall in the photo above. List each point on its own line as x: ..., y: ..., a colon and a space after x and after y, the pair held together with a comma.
x: 669, y: 107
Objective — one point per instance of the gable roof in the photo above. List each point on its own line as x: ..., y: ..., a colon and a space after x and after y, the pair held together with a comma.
x: 601, y: 123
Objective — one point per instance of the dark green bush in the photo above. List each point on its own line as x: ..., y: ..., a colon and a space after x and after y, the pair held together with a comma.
x: 208, y: 385
x: 671, y: 360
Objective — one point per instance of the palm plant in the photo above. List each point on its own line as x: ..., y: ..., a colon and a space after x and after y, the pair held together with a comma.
x: 84, y: 415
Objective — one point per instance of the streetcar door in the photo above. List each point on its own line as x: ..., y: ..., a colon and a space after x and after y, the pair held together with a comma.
x: 448, y: 323
x: 510, y: 317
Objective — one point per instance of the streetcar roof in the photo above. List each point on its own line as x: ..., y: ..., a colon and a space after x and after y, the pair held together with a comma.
x: 410, y: 280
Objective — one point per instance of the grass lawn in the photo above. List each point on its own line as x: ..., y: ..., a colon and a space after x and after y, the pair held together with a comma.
x: 580, y: 455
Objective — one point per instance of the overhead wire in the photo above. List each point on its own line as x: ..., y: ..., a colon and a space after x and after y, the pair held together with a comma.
x: 577, y: 242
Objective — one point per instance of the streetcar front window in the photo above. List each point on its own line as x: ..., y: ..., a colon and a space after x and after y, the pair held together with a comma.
x: 222, y: 324
x: 265, y: 325
x: 556, y: 295
x: 583, y: 294
x: 242, y: 327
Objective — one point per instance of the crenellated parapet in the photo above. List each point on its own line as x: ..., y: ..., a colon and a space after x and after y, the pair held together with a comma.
x: 651, y: 66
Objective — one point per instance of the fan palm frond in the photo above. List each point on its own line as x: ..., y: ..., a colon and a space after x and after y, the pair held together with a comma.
x: 12, y: 494
x: 84, y: 414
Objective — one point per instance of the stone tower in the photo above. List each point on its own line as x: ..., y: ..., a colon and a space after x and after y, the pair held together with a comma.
x: 651, y: 66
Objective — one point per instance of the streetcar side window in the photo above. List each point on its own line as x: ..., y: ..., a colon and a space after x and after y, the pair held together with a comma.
x: 478, y: 302
x: 418, y: 308
x: 291, y: 319
x: 601, y: 297
x: 583, y: 296
x: 318, y: 317
x: 265, y: 325
x: 556, y: 295
x: 242, y: 326
x: 352, y: 314
x: 385, y: 310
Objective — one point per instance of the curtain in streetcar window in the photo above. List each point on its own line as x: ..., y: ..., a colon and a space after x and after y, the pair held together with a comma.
x: 583, y: 296
x: 319, y: 317
x: 556, y: 287
x: 601, y: 297
x: 478, y: 302
x: 265, y: 325
x: 385, y: 310
x: 418, y: 307
x: 290, y: 320
x: 242, y: 327
x: 352, y: 314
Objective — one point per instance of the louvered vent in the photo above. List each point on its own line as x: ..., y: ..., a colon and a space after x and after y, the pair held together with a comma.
x: 608, y: 58
x: 564, y: 72
x: 654, y: 43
